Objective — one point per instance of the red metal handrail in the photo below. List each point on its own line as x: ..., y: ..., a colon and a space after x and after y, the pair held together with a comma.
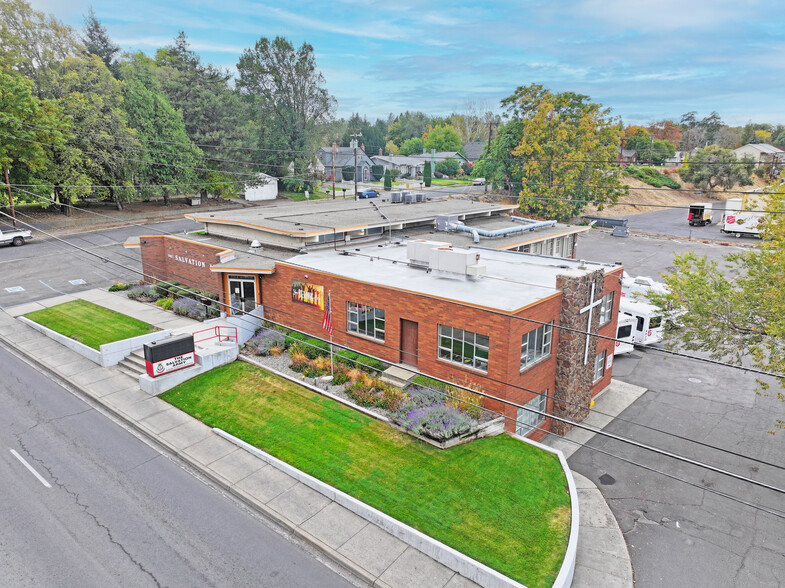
x: 217, y: 332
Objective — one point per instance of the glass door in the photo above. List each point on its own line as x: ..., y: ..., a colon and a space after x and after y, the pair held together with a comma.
x: 242, y: 293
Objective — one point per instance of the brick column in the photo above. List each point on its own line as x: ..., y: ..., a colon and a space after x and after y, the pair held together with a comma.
x: 573, y: 378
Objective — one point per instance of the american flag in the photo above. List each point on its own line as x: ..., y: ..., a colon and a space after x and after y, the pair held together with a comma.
x: 327, y: 321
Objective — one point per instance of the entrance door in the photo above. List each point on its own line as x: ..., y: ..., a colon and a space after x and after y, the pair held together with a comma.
x: 409, y: 342
x: 242, y: 293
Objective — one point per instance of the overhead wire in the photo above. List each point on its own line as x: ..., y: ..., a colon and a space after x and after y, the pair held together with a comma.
x: 517, y: 405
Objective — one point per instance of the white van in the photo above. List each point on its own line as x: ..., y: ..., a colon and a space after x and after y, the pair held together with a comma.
x: 624, y: 342
x: 649, y: 327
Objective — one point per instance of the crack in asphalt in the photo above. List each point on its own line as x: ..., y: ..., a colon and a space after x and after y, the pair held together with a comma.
x: 85, y: 508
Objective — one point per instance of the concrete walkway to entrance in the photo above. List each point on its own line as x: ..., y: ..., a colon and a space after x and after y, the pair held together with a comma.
x: 370, y: 553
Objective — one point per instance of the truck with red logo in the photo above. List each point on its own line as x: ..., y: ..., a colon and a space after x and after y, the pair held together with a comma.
x: 745, y: 215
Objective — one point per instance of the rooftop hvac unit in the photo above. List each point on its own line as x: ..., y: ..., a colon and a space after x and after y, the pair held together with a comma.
x: 419, y: 250
x: 408, y: 198
x: 442, y: 220
x: 454, y: 260
x: 396, y: 197
x: 419, y: 197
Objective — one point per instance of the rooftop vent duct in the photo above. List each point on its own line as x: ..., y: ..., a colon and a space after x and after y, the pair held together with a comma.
x: 530, y: 225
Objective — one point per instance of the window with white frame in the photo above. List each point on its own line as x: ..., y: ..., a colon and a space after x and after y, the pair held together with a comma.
x: 599, y: 366
x: 527, y: 420
x: 365, y: 320
x: 536, y: 344
x: 606, y: 309
x: 463, y: 347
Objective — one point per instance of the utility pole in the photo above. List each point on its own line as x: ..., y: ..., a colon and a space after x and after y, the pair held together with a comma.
x: 335, y: 148
x: 10, y: 199
x: 490, y: 132
x: 355, y: 135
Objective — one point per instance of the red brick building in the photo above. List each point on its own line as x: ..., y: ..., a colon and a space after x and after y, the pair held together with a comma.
x: 510, y: 324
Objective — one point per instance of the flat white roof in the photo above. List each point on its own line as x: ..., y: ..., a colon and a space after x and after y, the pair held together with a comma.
x: 512, y: 281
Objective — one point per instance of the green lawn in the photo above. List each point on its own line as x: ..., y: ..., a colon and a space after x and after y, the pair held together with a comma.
x: 443, y: 182
x: 498, y: 500
x: 89, y: 323
x: 300, y: 196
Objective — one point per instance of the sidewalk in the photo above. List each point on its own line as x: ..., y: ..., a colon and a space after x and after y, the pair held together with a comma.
x: 372, y: 554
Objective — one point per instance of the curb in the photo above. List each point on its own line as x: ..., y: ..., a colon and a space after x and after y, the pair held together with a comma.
x: 171, y: 451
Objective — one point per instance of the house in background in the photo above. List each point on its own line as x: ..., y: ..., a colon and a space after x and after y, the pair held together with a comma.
x: 344, y: 157
x: 407, y: 166
x: 473, y: 150
x: 265, y: 188
x: 627, y: 155
x: 762, y: 153
x: 441, y: 156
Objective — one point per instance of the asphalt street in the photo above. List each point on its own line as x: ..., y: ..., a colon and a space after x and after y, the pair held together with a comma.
x: 46, y: 267
x: 106, y: 509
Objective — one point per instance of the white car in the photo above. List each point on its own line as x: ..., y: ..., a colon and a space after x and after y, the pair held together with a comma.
x: 478, y: 182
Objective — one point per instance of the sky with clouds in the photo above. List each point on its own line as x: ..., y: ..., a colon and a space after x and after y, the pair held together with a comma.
x: 645, y: 59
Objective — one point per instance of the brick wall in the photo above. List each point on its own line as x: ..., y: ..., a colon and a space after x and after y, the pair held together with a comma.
x: 504, y: 377
x: 187, y: 262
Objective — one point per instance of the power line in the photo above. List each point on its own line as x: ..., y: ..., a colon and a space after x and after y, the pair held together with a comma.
x: 505, y: 401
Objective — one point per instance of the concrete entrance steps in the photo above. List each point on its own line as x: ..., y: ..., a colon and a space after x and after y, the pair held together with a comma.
x: 133, y: 365
x: 398, y: 376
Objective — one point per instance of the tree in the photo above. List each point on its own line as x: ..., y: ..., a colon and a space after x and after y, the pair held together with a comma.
x: 413, y: 146
x: 387, y: 180
x: 169, y: 158
x: 728, y: 138
x: 407, y: 125
x: 96, y: 40
x: 372, y: 134
x: 288, y: 95
x: 567, y: 152
x: 666, y: 130
x: 714, y: 167
x: 648, y: 149
x: 442, y: 138
x: 105, y: 152
x: 448, y: 167
x: 474, y: 122
x: 29, y: 128
x: 426, y: 174
x: 699, y: 133
x: 33, y: 43
x: 391, y: 148
x: 498, y: 164
x: 736, y: 315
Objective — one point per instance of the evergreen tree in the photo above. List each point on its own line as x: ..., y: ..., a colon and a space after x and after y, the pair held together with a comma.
x: 96, y: 40
x: 426, y: 174
x: 387, y: 180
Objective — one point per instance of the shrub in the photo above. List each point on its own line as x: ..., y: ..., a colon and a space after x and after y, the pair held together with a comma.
x: 387, y: 180
x: 426, y: 174
x: 437, y: 422
x: 340, y: 378
x: 467, y: 402
x: 164, y: 303
x: 142, y: 293
x: 377, y: 171
x: 421, y: 396
x: 448, y: 166
x: 275, y: 351
x: 190, y: 308
x: 298, y: 356
x: 162, y: 288
x: 392, y: 398
x: 298, y: 366
x: 262, y: 342
x: 429, y: 382
x: 118, y: 287
x: 294, y: 337
x: 363, y: 393
x: 368, y: 363
x: 652, y: 177
x: 346, y: 357
x: 316, y: 348
x: 312, y: 371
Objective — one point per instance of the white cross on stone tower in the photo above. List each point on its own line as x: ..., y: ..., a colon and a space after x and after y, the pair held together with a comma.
x: 590, y: 309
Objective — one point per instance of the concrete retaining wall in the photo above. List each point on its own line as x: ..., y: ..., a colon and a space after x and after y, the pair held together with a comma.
x: 206, y: 359
x: 567, y: 570
x: 447, y: 556
x: 110, y: 353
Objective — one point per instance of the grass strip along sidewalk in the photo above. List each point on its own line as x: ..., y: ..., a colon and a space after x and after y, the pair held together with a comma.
x: 498, y: 500
x: 90, y: 324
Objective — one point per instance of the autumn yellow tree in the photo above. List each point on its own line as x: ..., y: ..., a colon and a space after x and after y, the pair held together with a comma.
x: 567, y: 152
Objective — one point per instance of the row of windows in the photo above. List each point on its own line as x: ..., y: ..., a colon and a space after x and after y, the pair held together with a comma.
x: 455, y: 345
x: 554, y: 247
